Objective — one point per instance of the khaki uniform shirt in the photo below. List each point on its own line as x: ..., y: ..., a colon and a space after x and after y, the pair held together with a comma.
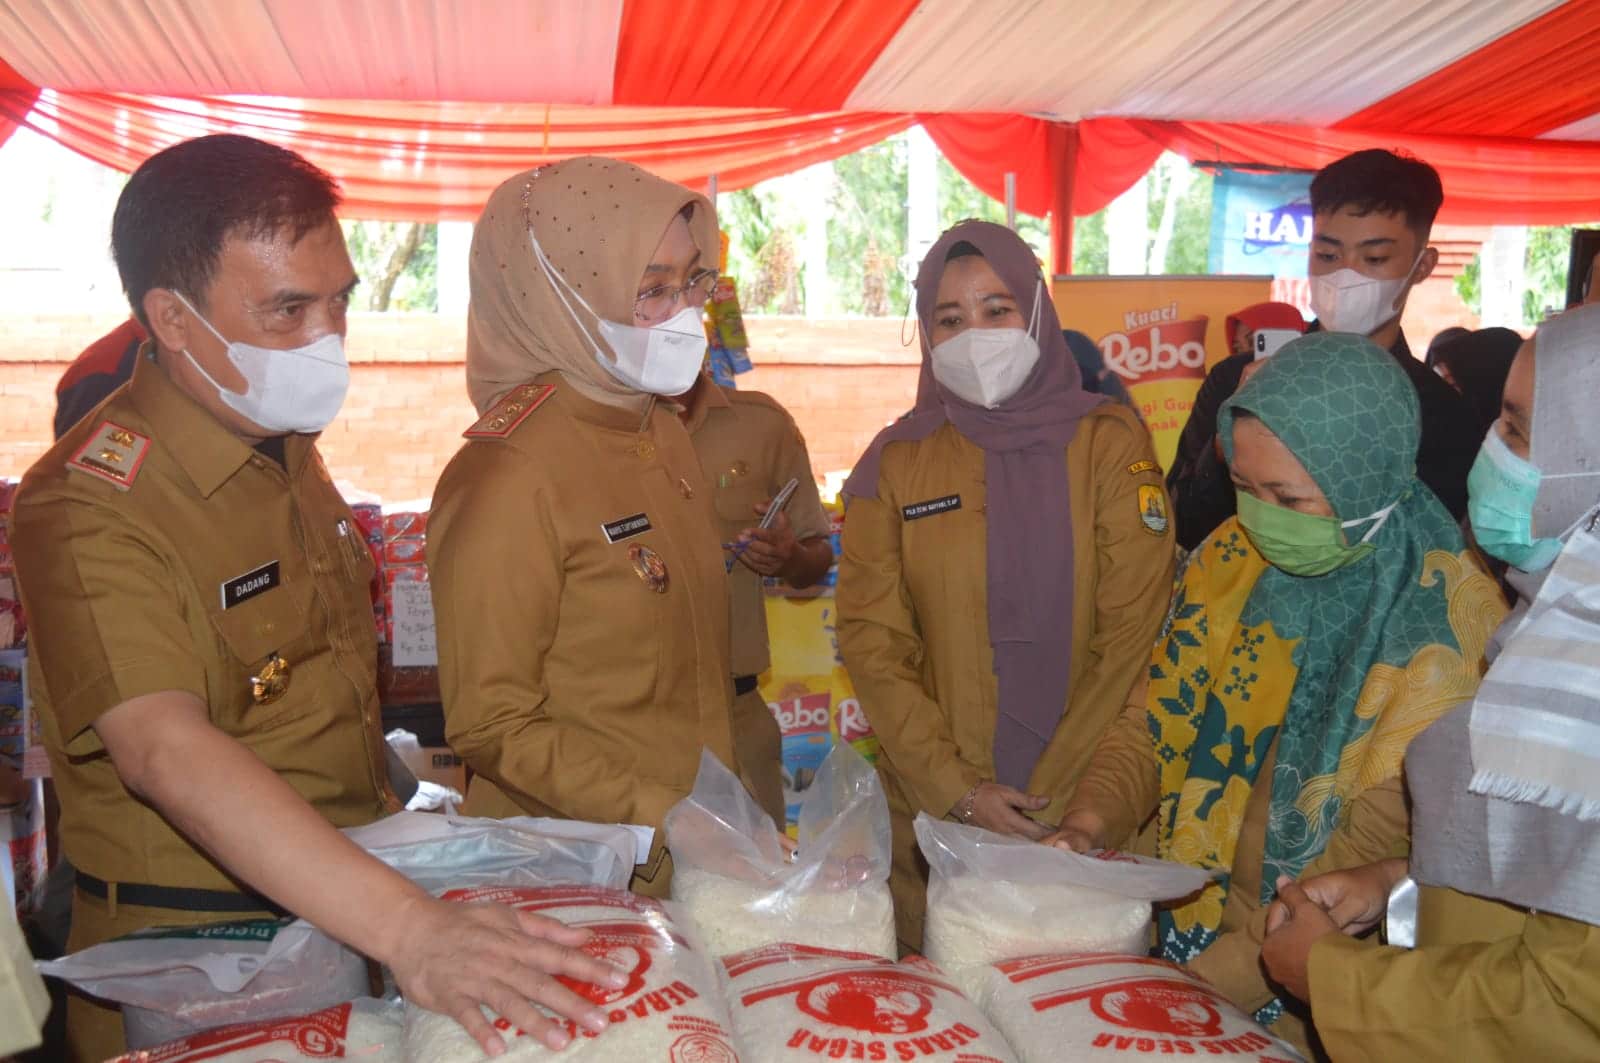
x: 749, y: 447
x: 913, y: 600
x: 156, y: 551
x: 1488, y: 981
x: 1122, y: 786
x: 582, y: 612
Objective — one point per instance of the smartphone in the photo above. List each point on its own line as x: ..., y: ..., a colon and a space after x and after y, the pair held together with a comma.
x: 1268, y: 340
x: 779, y: 500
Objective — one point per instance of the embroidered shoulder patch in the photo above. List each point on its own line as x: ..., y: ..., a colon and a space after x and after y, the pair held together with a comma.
x: 1153, y: 509
x: 1143, y: 466
x: 114, y: 454
x: 503, y: 417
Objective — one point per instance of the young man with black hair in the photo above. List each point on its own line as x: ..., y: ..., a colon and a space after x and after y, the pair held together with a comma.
x: 202, y: 653
x: 1372, y: 214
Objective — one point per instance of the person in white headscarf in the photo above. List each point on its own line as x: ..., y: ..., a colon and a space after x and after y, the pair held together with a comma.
x: 1501, y: 891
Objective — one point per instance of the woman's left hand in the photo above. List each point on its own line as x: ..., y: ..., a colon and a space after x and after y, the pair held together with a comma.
x: 1299, y: 924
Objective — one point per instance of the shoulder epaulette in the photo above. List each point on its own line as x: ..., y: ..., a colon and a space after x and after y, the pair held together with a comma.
x: 113, y: 453
x: 502, y: 418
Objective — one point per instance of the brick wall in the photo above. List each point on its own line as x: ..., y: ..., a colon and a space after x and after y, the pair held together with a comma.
x: 842, y: 380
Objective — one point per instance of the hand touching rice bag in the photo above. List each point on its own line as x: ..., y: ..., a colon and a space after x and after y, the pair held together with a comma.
x: 792, y: 1003
x: 671, y: 1010
x: 741, y: 890
x: 1053, y: 1008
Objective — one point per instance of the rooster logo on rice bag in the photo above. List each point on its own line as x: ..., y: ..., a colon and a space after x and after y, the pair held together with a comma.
x: 626, y: 946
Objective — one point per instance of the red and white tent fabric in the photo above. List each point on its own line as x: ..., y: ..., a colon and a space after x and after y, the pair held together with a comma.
x: 422, y: 106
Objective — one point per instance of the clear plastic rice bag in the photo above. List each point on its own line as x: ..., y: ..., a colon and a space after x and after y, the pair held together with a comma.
x: 364, y: 1030
x: 176, y: 981
x: 993, y: 897
x: 741, y: 890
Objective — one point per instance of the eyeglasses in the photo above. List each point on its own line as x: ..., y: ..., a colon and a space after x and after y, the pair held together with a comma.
x: 656, y: 303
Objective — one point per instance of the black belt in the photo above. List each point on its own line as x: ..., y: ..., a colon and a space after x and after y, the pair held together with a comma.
x: 178, y: 898
x: 743, y: 684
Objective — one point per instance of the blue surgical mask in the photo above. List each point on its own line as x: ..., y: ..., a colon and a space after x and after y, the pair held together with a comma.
x: 1501, y: 489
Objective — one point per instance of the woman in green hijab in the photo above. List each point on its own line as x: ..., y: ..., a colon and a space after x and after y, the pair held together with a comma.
x: 1311, y: 638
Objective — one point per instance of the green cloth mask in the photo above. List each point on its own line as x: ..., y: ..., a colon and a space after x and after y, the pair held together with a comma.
x: 1304, y: 544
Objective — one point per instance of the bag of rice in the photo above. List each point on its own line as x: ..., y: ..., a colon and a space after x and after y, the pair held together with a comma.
x: 671, y: 1010
x: 741, y: 890
x: 365, y: 1030
x: 454, y: 852
x: 993, y: 897
x: 175, y: 981
x: 790, y: 1002
x: 1053, y: 1008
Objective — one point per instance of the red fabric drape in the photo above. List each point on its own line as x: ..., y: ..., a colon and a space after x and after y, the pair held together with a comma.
x: 16, y: 95
x: 1062, y: 169
x: 1536, y: 78
x: 734, y: 53
x: 985, y: 147
x: 441, y: 161
x: 1487, y: 180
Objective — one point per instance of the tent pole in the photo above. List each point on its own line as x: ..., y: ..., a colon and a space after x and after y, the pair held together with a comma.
x: 1011, y: 200
x: 711, y: 189
x: 1064, y: 166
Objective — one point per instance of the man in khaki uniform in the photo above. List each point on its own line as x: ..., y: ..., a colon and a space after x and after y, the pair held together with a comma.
x: 749, y: 448
x: 202, y: 651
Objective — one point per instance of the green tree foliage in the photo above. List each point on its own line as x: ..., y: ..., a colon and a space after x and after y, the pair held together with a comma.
x: 960, y: 199
x: 1191, y: 234
x: 867, y: 229
x: 397, y: 262
x: 1544, y: 275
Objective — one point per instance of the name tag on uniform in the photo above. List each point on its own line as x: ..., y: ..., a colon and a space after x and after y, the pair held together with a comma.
x: 626, y: 527
x: 931, y: 508
x: 256, y: 581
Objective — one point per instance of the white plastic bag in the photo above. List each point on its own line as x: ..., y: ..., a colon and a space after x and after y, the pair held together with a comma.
x: 792, y: 1003
x: 365, y: 1030
x: 1053, y: 1008
x: 175, y: 981
x: 741, y: 890
x: 671, y: 1010
x: 993, y: 897
x: 453, y: 852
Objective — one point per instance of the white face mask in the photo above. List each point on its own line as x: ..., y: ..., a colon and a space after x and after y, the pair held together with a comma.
x: 663, y: 359
x: 986, y: 366
x: 1348, y: 301
x: 298, y: 389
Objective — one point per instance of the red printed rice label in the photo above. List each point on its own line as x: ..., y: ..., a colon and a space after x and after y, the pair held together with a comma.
x: 670, y: 1011
x: 334, y: 1033
x: 1052, y: 1008
x: 791, y: 1002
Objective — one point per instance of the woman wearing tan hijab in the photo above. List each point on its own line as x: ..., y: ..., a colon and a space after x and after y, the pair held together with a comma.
x: 578, y: 579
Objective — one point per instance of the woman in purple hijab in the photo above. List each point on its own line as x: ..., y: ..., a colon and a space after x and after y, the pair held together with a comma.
x: 1007, y: 560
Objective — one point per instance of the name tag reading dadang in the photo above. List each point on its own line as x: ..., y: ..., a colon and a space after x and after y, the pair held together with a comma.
x: 256, y: 581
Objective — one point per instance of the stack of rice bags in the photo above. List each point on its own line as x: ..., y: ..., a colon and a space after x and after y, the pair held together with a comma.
x: 1053, y: 946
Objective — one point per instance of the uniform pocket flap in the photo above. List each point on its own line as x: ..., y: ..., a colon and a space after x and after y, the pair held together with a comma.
x: 261, y: 626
